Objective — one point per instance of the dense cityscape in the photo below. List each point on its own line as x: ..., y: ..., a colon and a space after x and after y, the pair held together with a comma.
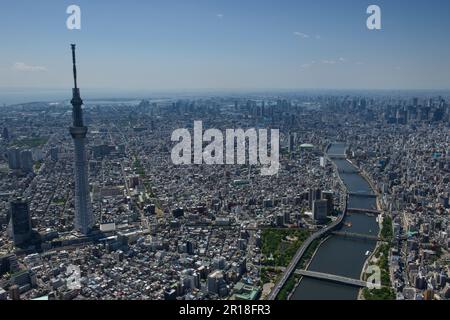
x: 194, y: 232
x: 225, y: 158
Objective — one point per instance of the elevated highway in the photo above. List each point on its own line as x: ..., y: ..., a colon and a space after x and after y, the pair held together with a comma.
x: 301, y: 251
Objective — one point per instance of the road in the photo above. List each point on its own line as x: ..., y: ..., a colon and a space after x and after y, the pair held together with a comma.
x: 301, y: 251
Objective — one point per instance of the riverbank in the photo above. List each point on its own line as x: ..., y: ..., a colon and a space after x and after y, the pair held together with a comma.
x: 380, y: 224
x: 307, y: 265
x: 339, y: 255
x: 289, y: 279
x: 371, y: 257
x: 292, y: 283
x: 381, y: 249
x: 380, y: 259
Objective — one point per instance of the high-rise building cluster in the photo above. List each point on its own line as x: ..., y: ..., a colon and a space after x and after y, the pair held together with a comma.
x: 154, y: 230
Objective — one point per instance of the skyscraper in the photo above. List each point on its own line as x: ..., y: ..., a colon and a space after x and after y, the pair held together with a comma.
x: 26, y: 161
x: 291, y: 145
x: 20, y: 221
x: 320, y: 210
x: 314, y: 194
x: 5, y: 134
x: 83, y: 210
x: 328, y: 196
x: 14, y: 158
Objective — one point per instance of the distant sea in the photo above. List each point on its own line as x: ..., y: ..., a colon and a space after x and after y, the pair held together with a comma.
x: 19, y: 96
x: 11, y: 96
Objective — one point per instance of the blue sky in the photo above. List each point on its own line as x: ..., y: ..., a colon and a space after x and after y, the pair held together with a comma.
x: 226, y: 44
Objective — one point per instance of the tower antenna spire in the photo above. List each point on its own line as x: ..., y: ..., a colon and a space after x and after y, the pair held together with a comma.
x: 74, y: 65
x: 84, y: 219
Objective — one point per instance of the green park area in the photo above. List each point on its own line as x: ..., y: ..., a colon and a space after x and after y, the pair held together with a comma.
x: 294, y: 279
x: 138, y: 168
x: 280, y: 245
x: 59, y: 201
x: 29, y: 142
x: 386, y: 229
x: 382, y: 261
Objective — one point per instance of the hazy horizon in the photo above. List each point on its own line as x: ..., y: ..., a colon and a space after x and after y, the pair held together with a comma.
x: 12, y: 96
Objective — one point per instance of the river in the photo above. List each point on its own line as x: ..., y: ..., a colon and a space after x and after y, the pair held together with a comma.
x: 339, y: 255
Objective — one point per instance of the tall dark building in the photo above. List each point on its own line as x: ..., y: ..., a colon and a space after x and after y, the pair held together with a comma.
x: 314, y: 194
x: 83, y: 210
x: 319, y: 210
x: 26, y: 161
x: 5, y: 134
x: 8, y: 263
x: 291, y: 143
x: 14, y: 158
x: 20, y: 221
x: 328, y: 196
x: 311, y: 197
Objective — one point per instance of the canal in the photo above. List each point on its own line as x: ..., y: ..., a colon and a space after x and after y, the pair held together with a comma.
x: 338, y: 255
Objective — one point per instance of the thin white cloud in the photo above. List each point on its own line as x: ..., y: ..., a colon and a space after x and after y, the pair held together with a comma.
x: 308, y: 65
x: 219, y: 15
x: 307, y: 36
x: 301, y: 35
x: 21, y: 66
x: 323, y: 62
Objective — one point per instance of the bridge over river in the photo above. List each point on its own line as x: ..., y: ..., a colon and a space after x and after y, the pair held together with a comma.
x: 332, y: 277
x: 301, y: 251
x: 357, y: 236
x: 352, y: 189
x: 363, y: 210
